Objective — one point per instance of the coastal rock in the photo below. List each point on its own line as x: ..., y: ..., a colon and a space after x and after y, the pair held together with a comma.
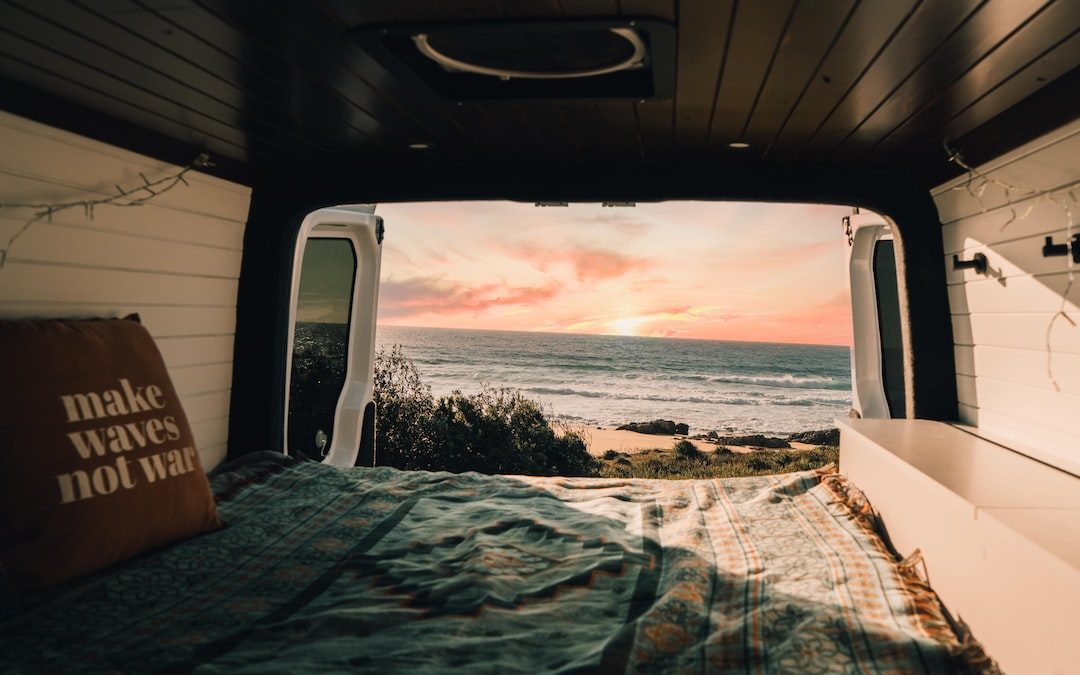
x: 658, y: 427
x: 823, y: 437
x: 754, y: 440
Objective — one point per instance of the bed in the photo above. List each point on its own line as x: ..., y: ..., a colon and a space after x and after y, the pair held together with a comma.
x: 321, y: 569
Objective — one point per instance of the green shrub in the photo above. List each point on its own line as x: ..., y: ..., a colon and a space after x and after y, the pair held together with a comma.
x: 403, y: 409
x: 494, y: 431
x: 686, y: 450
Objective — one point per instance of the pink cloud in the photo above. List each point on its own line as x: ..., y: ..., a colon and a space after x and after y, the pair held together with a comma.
x: 589, y: 264
x: 418, y: 296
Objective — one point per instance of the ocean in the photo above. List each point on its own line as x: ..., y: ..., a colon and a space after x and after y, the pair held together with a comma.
x: 608, y: 380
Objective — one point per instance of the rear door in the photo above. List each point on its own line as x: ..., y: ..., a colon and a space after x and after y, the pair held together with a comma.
x: 878, y: 380
x: 335, y: 290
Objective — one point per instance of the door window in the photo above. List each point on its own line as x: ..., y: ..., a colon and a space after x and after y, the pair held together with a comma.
x: 888, y: 313
x: 320, y: 344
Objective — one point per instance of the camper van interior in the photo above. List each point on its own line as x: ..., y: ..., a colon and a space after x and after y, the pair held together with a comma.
x: 170, y: 168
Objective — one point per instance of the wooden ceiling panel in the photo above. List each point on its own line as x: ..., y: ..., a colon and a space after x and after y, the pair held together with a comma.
x: 913, y: 44
x: 704, y: 29
x: 352, y: 13
x: 122, y: 109
x: 866, y: 33
x: 408, y: 116
x: 619, y: 126
x: 587, y: 8
x: 560, y: 130
x: 1056, y: 64
x: 473, y: 10
x: 529, y: 9
x: 274, y: 67
x: 1040, y: 51
x: 755, y: 39
x: 55, y: 46
x: 657, y: 128
x: 174, y: 58
x: 655, y: 9
x: 552, y: 137
x: 814, y: 29
x: 277, y: 84
x: 583, y: 120
x: 86, y: 84
x: 977, y: 39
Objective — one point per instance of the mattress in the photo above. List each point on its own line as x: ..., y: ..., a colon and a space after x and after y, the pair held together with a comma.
x: 322, y: 569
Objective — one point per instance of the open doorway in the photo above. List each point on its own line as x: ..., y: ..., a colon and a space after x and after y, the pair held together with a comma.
x: 594, y: 339
x: 676, y: 339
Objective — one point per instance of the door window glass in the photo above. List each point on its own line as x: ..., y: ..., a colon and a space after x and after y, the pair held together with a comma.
x: 888, y: 310
x: 320, y: 356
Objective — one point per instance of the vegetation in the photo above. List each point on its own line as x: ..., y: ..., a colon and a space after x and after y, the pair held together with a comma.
x: 722, y: 463
x: 494, y: 431
x: 501, y: 431
x: 684, y: 449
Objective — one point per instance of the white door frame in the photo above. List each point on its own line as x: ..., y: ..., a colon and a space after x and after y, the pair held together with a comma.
x: 363, y: 229
x: 868, y: 386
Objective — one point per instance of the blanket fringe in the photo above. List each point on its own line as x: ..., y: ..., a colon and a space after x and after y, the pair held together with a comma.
x: 968, y: 653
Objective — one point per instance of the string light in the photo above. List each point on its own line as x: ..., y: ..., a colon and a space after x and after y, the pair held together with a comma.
x: 976, y: 184
x: 133, y: 196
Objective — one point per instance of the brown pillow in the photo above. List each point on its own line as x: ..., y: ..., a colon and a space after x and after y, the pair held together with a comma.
x: 97, y: 461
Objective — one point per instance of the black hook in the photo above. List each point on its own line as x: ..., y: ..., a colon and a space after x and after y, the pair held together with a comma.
x: 1051, y: 249
x: 978, y: 263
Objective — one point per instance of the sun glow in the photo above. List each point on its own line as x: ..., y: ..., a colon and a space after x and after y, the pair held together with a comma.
x: 629, y: 325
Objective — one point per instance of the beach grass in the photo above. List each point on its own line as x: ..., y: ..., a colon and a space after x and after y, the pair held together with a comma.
x: 682, y: 463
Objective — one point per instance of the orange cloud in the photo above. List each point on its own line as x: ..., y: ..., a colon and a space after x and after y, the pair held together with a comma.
x: 825, y: 323
x: 418, y: 296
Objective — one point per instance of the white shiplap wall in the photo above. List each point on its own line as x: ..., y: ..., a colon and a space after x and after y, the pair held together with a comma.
x: 175, y: 261
x: 1000, y: 320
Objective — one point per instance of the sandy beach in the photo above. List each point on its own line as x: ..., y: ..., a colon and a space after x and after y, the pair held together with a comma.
x: 600, y: 440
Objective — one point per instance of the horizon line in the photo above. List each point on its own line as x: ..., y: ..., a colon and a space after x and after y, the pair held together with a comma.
x: 646, y: 337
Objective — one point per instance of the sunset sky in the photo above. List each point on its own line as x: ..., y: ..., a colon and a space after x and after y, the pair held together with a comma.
x: 727, y: 271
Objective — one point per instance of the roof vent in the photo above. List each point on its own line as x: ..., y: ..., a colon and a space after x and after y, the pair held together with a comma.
x: 535, y: 54
x: 565, y: 59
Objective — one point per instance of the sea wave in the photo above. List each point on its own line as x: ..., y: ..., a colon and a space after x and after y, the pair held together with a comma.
x: 810, y: 401
x: 786, y: 380
x: 718, y: 398
x: 623, y: 396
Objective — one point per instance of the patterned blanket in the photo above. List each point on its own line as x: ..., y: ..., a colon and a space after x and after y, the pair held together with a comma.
x: 378, y: 570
